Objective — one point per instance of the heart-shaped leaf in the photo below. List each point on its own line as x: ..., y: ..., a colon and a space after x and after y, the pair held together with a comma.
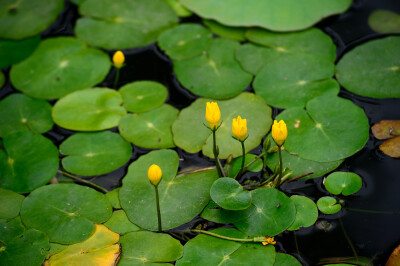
x: 306, y: 212
x: 343, y: 182
x: 229, y: 194
x: 328, y: 205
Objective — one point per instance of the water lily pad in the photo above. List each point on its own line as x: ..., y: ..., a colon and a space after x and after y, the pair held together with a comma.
x: 345, y: 183
x: 13, y: 51
x: 28, y: 161
x: 96, y: 153
x: 384, y: 21
x: 209, y: 250
x: 147, y: 248
x: 151, y: 129
x: 142, y: 96
x: 329, y: 129
x: 120, y: 223
x: 277, y: 16
x: 113, y: 198
x: 213, y: 74
x: 191, y: 135
x: 306, y: 212
x: 232, y: 33
x: 386, y: 129
x: 229, y: 194
x: 273, y: 213
x: 19, y: 112
x: 10, y: 203
x: 137, y: 194
x: 391, y: 147
x: 89, y: 110
x: 179, y: 9
x: 21, y: 19
x: 72, y: 210
x: 380, y: 76
x: 216, y: 214
x: 99, y: 249
x: 185, y: 41
x: 123, y: 24
x: 237, y: 164
x: 10, y: 229
x: 283, y: 259
x: 55, y: 248
x: 328, y: 205
x: 30, y: 247
x: 60, y: 66
x: 253, y: 57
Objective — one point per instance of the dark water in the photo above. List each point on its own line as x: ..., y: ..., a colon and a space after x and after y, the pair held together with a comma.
x: 373, y: 235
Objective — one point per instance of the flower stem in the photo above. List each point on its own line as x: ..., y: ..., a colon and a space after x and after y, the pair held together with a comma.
x: 348, y: 239
x: 279, y: 177
x: 158, y: 209
x: 243, y: 159
x: 116, y: 78
x: 215, y: 151
x: 255, y: 239
x: 371, y: 211
x: 83, y: 181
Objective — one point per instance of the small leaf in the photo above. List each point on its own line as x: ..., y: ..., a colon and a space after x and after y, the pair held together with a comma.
x: 391, y: 147
x: 328, y: 205
x: 10, y: 203
x: 216, y: 214
x: 386, y: 129
x: 384, y: 21
x: 229, y: 194
x: 120, y: 223
x: 343, y: 182
x: 306, y: 212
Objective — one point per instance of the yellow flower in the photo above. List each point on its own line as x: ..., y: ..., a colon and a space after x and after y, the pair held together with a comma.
x: 269, y: 240
x: 213, y: 115
x: 154, y: 173
x: 118, y: 59
x: 279, y: 132
x: 239, y: 128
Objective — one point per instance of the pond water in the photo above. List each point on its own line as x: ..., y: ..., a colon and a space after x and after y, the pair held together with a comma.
x: 373, y: 235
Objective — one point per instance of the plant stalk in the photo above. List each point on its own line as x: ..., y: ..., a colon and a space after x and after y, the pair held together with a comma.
x: 116, y: 78
x: 158, y: 209
x: 255, y: 239
x: 243, y: 160
x: 83, y: 181
x: 215, y: 151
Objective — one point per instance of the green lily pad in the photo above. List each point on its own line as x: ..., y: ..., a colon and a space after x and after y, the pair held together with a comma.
x: 147, y: 248
x: 89, y: 110
x: 10, y: 203
x: 60, y: 66
x: 277, y: 16
x: 191, y: 135
x: 55, y: 248
x: 95, y: 153
x: 179, y: 9
x: 330, y: 129
x: 283, y: 259
x: 10, y: 229
x: 2, y: 79
x: 30, y: 247
x: 215, y: 73
x: 123, y: 24
x: 72, y: 210
x: 253, y: 57
x: 185, y: 41
x: 380, y: 76
x: 113, y: 198
x: 306, y: 212
x: 232, y: 33
x: 209, y: 250
x: 229, y: 194
x: 138, y: 197
x: 151, y: 129
x: 384, y: 21
x: 143, y: 96
x: 273, y: 213
x: 22, y: 19
x: 12, y: 51
x: 216, y: 214
x: 19, y: 112
x: 28, y: 161
x: 120, y: 223
x: 345, y: 183
x: 328, y: 205
x: 386, y: 129
x: 391, y: 147
x: 237, y: 164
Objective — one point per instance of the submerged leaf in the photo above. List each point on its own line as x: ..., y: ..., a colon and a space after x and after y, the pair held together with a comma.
x: 384, y: 21
x: 391, y: 147
x: 386, y: 129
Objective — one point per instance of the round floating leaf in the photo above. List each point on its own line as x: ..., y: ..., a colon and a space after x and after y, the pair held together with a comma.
x: 12, y: 52
x: 283, y: 259
x: 216, y: 214
x: 30, y: 247
x: 21, y: 19
x: 380, y: 76
x: 10, y: 203
x: 113, y: 198
x: 384, y: 21
x: 10, y: 229
x: 72, y: 210
x: 306, y: 212
x: 273, y: 212
x: 60, y: 66
x: 28, y: 161
x: 277, y: 16
x: 179, y: 9
x: 345, y: 183
x: 229, y: 194
x: 151, y: 129
x: 142, y: 96
x: 123, y: 24
x: 253, y: 57
x: 391, y: 147
x: 232, y: 33
x: 386, y: 129
x: 330, y: 129
x: 191, y: 135
x: 237, y: 164
x: 96, y: 153
x: 209, y: 250
x: 149, y: 248
x: 328, y: 205
x: 99, y: 249
x: 120, y: 223
x: 138, y: 197
x: 89, y: 110
x: 213, y: 74
x: 185, y: 41
x: 19, y: 112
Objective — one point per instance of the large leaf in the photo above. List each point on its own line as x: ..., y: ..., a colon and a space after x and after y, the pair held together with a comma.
x: 12, y: 52
x: 120, y: 223
x: 191, y: 135
x: 306, y: 212
x: 181, y: 198
x: 65, y: 212
x: 10, y: 203
x: 123, y: 24
x: 345, y: 183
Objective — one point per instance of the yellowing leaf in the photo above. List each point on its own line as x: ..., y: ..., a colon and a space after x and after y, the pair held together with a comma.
x: 394, y: 258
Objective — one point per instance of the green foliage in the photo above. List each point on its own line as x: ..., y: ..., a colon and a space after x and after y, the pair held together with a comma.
x: 283, y: 259
x: 328, y: 205
x: 120, y: 223
x: 345, y: 183
x: 237, y: 164
x: 216, y: 214
x: 306, y: 212
x: 179, y: 9
x: 14, y: 51
x: 113, y: 198
x: 10, y: 203
x: 232, y: 33
x: 229, y: 194
x: 384, y: 21
x: 9, y: 229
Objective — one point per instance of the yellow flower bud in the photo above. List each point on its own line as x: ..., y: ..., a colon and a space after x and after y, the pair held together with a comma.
x: 279, y: 132
x: 154, y: 173
x: 213, y: 115
x: 118, y: 59
x: 239, y: 128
